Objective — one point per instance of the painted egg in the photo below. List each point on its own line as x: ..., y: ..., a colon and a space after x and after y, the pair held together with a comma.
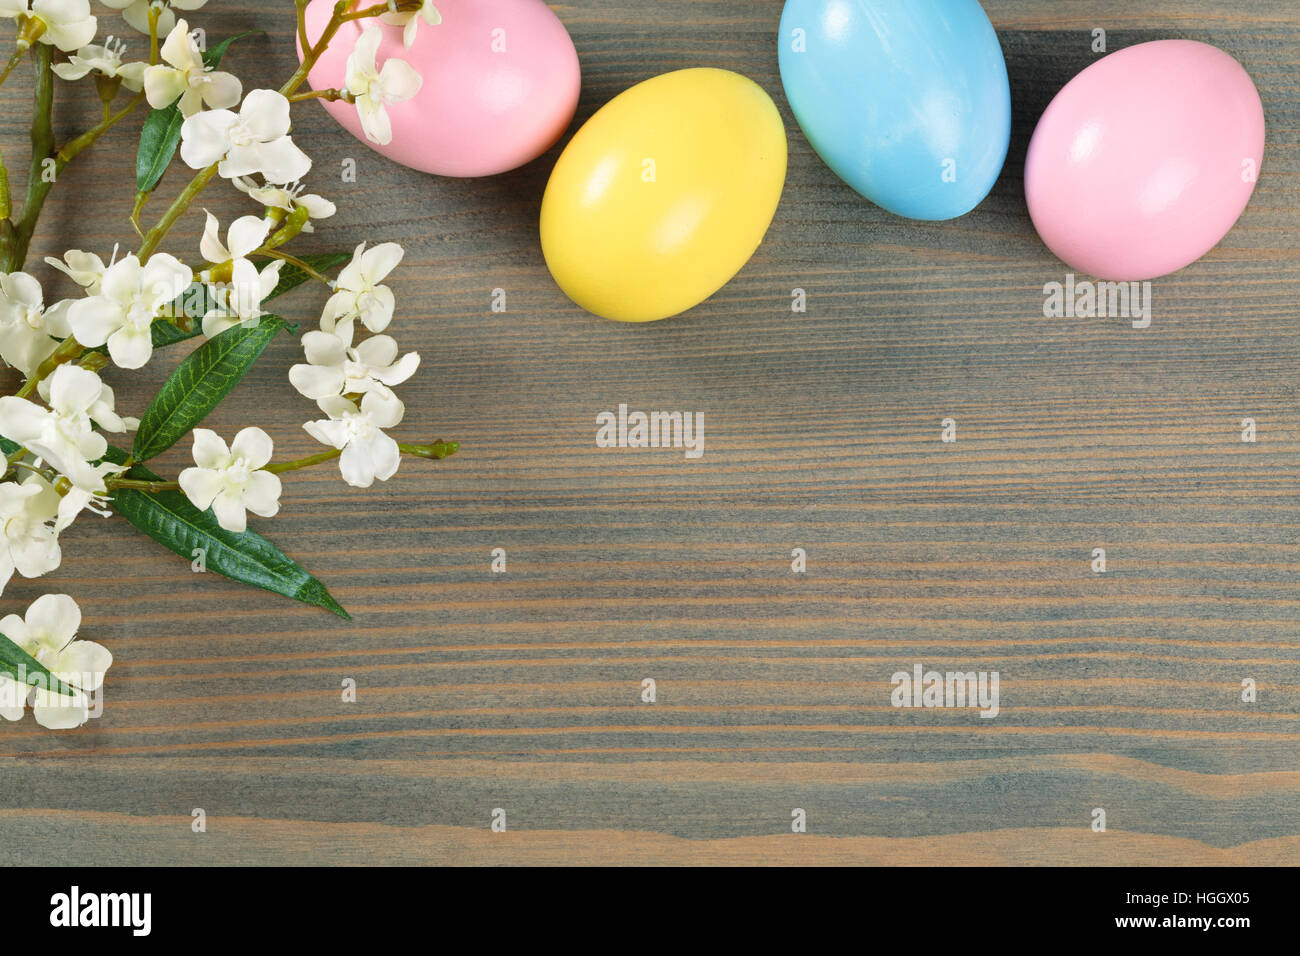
x: 501, y: 84
x: 906, y: 100
x: 664, y: 194
x: 1145, y: 160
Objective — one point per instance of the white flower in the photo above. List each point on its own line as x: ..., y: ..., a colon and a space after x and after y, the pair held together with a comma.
x: 136, y: 12
x: 63, y: 434
x: 373, y: 89
x: 230, y: 480
x: 358, y: 293
x: 84, y: 268
x: 337, y: 368
x: 255, y: 140
x: 368, y: 453
x: 80, y: 499
x: 47, y: 632
x: 288, y: 198
x: 244, y: 235
x: 130, y: 297
x: 182, y: 74
x: 28, y: 542
x: 67, y: 24
x: 106, y: 59
x: 239, y: 302
x: 411, y: 21
x: 26, y: 326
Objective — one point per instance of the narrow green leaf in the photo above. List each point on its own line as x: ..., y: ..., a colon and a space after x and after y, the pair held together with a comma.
x: 159, y: 137
x: 170, y: 519
x: 161, y: 133
x: 200, y: 382
x: 12, y: 657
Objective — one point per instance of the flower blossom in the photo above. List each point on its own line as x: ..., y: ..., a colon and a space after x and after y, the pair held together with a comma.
x: 26, y: 326
x: 130, y: 297
x: 358, y: 292
x: 374, y: 89
x: 336, y: 367
x: 231, y: 481
x: 66, y: 24
x: 289, y: 198
x: 254, y: 140
x: 106, y: 60
x: 410, y: 21
x: 28, y: 542
x: 368, y: 453
x: 48, y: 633
x: 183, y: 75
x: 63, y: 434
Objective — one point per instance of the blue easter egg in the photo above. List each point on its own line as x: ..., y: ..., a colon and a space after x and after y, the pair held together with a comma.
x: 906, y: 100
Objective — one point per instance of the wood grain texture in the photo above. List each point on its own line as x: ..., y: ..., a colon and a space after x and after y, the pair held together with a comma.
x: 521, y: 691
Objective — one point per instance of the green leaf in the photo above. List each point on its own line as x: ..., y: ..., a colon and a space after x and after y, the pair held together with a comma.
x: 199, y: 383
x: 161, y: 133
x: 12, y: 657
x: 159, y: 137
x: 245, y: 556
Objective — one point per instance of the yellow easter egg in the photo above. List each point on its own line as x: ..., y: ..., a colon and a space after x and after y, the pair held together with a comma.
x: 664, y: 194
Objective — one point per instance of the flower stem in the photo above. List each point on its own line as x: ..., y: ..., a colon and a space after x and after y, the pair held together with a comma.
x: 331, y: 96
x: 435, y: 451
x: 282, y: 466
x: 14, y: 248
x: 296, y: 262
x: 13, y: 62
x: 181, y: 203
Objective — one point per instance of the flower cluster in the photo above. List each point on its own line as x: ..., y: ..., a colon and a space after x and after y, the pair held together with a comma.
x: 55, y: 429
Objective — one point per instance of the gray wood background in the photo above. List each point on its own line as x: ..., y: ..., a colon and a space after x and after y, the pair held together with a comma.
x: 521, y: 690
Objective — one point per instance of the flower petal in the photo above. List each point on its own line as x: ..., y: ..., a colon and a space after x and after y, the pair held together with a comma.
x: 201, y: 486
x: 130, y: 348
x: 74, y: 389
x: 56, y: 617
x: 228, y: 507
x: 317, y: 381
x: 253, y: 445
x: 222, y: 90
x: 84, y: 663
x: 205, y: 137
x: 210, y: 449
x: 210, y: 245
x: 265, y: 114
x: 262, y: 493
x: 246, y: 234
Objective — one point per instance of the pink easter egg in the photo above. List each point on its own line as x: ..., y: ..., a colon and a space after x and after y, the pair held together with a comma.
x: 501, y: 84
x: 1145, y: 160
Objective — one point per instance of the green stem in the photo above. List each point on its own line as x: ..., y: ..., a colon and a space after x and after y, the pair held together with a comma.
x: 296, y: 262
x: 276, y: 468
x: 181, y: 203
x: 436, y: 451
x: 13, y: 62
x: 13, y: 249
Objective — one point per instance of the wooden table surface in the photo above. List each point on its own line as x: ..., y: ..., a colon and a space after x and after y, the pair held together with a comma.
x: 522, y: 691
